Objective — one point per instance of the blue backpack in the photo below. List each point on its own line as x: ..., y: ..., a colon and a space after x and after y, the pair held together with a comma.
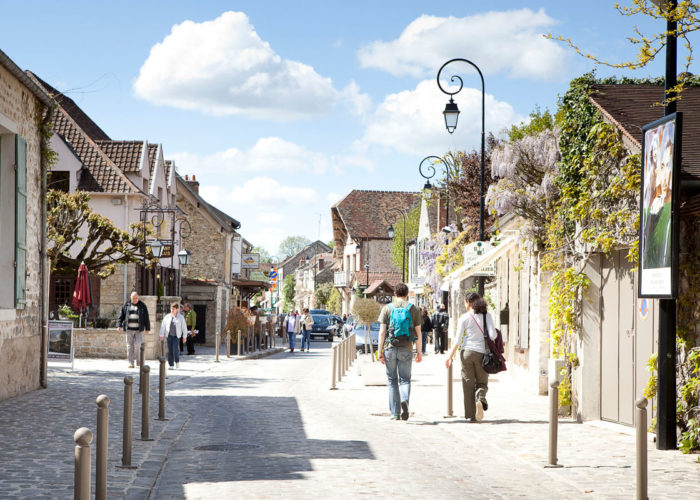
x: 400, y: 321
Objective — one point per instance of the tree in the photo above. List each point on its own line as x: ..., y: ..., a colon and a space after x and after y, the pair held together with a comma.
x: 288, y: 292
x: 101, y: 249
x: 265, y: 256
x: 397, y: 246
x: 291, y: 245
x: 334, y: 301
x: 323, y: 294
x: 331, y: 244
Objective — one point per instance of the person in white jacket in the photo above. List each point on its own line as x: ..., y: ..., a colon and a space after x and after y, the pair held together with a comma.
x: 174, y: 328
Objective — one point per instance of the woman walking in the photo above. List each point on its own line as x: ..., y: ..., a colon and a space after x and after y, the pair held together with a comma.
x: 426, y: 327
x: 292, y: 329
x: 306, y: 321
x: 173, y: 327
x: 472, y: 326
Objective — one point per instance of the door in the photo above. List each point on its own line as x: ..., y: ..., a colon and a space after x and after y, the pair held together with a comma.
x: 201, y: 310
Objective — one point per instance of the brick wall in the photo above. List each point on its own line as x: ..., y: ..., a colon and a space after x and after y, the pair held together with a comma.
x: 20, y: 330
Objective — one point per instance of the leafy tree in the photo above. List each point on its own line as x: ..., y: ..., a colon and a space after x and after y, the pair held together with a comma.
x: 265, y: 256
x: 334, y: 301
x: 323, y: 294
x: 291, y: 245
x: 288, y: 292
x: 331, y: 244
x: 411, y: 229
x: 101, y: 249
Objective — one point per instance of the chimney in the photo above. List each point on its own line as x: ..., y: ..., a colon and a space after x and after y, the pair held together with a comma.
x: 193, y: 184
x: 321, y: 262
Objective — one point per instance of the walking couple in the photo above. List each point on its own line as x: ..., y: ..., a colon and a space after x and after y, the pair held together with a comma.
x: 296, y: 323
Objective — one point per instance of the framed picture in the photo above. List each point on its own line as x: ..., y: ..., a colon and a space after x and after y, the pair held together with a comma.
x: 60, y: 349
x: 658, y: 228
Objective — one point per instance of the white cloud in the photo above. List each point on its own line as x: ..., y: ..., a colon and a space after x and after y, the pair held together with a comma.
x: 222, y: 67
x: 266, y: 192
x: 361, y: 103
x: 411, y: 121
x: 333, y: 197
x: 508, y: 41
x: 268, y: 154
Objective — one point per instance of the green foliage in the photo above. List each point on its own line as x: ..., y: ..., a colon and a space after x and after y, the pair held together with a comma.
x: 411, y: 229
x: 331, y: 244
x: 65, y: 310
x: 291, y: 245
x: 323, y: 294
x: 538, y: 122
x: 652, y: 383
x: 288, y: 292
x: 452, y: 256
x: 265, y: 256
x: 334, y: 301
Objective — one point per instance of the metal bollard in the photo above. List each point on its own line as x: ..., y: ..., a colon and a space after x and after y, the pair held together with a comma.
x: 81, y: 483
x: 335, y: 355
x: 145, y: 404
x: 142, y: 357
x: 642, y: 479
x: 239, y: 342
x: 161, y: 389
x: 218, y: 340
x: 340, y: 363
x: 346, y: 360
x: 450, y: 412
x: 126, y: 433
x: 553, y: 422
x: 228, y: 343
x: 101, y: 447
x: 162, y: 347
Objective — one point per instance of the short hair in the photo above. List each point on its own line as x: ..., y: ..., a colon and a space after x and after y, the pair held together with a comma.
x: 401, y: 290
x: 176, y: 305
x: 134, y: 293
x: 187, y: 304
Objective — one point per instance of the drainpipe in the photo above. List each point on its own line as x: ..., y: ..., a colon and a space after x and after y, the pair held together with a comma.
x: 43, y: 303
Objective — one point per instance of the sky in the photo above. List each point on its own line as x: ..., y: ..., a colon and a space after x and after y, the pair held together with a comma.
x: 281, y: 108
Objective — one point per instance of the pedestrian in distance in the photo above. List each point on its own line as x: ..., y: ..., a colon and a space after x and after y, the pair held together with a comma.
x: 307, y: 322
x: 191, y: 321
x: 174, y: 328
x: 292, y: 329
x: 426, y: 327
x: 470, y: 342
x: 133, y: 318
x: 440, y: 321
x: 400, y: 329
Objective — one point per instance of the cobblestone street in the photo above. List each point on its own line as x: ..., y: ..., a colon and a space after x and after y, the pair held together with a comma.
x: 270, y: 428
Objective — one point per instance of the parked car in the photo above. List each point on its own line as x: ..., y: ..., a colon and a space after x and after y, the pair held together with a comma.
x: 360, y: 332
x: 323, y: 327
x: 319, y: 311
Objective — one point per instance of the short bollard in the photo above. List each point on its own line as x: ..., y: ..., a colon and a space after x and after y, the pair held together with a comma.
x: 162, y: 347
x: 239, y: 342
x: 553, y: 423
x: 142, y: 358
x: 161, y: 389
x: 81, y: 483
x: 126, y: 432
x: 642, y: 479
x: 101, y: 448
x: 228, y: 343
x: 145, y: 404
x: 450, y: 413
x: 340, y: 363
x: 335, y: 355
x: 218, y: 340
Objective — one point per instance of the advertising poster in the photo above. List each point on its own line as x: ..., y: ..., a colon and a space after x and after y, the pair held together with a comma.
x: 658, y: 233
x: 61, y: 341
x: 250, y: 261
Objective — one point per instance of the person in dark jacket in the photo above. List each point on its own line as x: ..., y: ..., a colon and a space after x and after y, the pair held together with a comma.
x: 427, y: 326
x: 440, y: 322
x: 133, y: 318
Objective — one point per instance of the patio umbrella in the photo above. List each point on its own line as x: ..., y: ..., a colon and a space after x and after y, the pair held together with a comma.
x: 81, y: 294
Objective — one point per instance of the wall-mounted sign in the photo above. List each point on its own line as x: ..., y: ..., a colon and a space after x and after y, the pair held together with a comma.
x: 60, y: 341
x: 658, y: 232
x: 250, y: 260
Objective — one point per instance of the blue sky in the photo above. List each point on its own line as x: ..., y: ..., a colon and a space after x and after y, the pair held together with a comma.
x: 280, y: 108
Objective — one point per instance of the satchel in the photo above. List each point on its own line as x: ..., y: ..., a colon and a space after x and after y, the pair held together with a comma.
x: 493, y: 361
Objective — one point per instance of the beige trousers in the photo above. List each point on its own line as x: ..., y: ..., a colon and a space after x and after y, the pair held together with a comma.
x: 475, y: 381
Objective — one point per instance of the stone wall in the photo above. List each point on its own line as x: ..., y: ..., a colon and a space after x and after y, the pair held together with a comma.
x: 20, y: 330
x: 109, y: 343
x: 207, y: 245
x: 112, y: 290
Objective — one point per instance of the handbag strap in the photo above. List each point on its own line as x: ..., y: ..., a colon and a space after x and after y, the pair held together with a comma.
x: 483, y: 331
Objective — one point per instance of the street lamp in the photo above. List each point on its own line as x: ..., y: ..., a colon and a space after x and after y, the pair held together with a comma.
x: 156, y: 248
x: 451, y: 115
x: 391, y: 216
x: 184, y: 257
x: 430, y: 169
x: 358, y: 248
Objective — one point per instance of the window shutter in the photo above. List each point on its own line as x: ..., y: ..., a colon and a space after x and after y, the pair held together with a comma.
x: 20, y: 221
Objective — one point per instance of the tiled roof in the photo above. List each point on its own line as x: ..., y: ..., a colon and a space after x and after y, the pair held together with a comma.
x: 632, y: 106
x: 168, y: 167
x: 125, y: 154
x: 100, y: 175
x: 364, y: 210
x: 374, y: 287
x: 392, y: 278
x: 81, y: 119
x: 152, y: 157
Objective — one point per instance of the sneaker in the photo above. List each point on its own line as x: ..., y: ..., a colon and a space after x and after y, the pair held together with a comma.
x: 394, y: 417
x: 479, y: 411
x: 131, y: 366
x: 177, y: 365
x: 404, y: 410
x: 484, y: 404
x: 472, y: 420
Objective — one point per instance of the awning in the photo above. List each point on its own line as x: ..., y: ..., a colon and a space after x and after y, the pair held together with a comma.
x: 482, y: 265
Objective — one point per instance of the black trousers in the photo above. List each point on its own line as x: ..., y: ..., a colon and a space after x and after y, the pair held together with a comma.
x: 190, y: 344
x: 440, y: 340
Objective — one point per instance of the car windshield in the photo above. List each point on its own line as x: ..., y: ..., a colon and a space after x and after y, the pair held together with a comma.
x: 321, y: 320
x: 373, y: 326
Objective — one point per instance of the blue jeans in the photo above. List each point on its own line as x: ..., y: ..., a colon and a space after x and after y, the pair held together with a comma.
x: 292, y: 339
x: 398, y: 373
x: 173, y: 349
x: 305, y: 339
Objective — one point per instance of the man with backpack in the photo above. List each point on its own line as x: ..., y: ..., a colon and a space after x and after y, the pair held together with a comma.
x: 400, y: 329
x: 440, y: 322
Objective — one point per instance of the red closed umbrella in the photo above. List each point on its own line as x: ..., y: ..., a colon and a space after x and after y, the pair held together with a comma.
x: 81, y: 294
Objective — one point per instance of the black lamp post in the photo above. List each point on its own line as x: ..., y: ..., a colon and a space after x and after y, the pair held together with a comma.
x: 184, y: 257
x: 451, y: 114
x: 391, y: 216
x: 430, y: 169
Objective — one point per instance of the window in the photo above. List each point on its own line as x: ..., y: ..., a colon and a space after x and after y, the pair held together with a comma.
x: 59, y: 180
x: 20, y: 222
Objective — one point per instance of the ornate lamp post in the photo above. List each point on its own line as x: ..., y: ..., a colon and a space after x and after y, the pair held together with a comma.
x: 391, y: 216
x: 184, y: 257
x: 451, y: 114
x: 429, y: 174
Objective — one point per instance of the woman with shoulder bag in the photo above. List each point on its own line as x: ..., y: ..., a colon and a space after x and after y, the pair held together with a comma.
x: 307, y: 322
x: 471, y: 330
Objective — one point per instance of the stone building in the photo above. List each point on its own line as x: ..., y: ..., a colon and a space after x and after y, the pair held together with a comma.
x: 24, y: 108
x: 313, y: 270
x: 361, y: 240
x: 290, y: 265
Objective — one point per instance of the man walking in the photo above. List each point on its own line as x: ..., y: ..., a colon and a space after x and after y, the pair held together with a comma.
x: 133, y: 318
x: 400, y: 329
x: 191, y: 321
x: 440, y: 322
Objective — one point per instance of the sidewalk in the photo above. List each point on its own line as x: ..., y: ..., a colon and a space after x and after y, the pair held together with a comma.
x: 598, y: 458
x: 36, y: 433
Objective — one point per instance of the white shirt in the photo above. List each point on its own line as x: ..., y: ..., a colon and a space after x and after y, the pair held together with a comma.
x: 180, y: 325
x: 470, y: 334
